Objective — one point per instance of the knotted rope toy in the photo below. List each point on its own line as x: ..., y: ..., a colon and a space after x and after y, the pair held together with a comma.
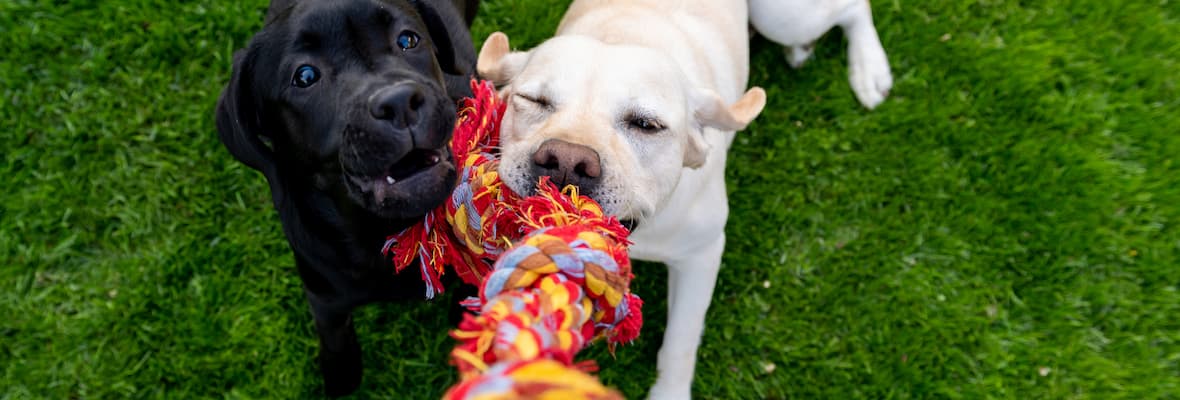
x: 552, y: 269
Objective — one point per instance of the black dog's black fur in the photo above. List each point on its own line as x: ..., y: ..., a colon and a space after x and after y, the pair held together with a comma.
x: 377, y: 110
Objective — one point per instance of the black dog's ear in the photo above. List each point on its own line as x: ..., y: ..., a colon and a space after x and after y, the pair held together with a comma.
x: 469, y: 8
x: 238, y: 119
x: 277, y: 8
x: 452, y: 44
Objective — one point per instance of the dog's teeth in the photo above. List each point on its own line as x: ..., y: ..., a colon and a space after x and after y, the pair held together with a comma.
x: 390, y: 180
x: 433, y: 159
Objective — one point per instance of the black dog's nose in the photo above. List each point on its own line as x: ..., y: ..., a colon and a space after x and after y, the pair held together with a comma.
x: 398, y: 103
x: 567, y: 163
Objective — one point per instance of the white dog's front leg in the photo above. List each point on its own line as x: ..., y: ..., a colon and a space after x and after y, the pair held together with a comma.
x: 797, y: 55
x: 868, y: 68
x: 690, y: 289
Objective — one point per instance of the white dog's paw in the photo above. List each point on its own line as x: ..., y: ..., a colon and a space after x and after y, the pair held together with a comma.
x: 667, y: 390
x: 868, y: 72
x: 797, y: 55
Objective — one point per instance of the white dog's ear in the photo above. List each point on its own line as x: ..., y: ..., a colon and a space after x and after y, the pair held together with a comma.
x: 497, y: 62
x: 712, y: 112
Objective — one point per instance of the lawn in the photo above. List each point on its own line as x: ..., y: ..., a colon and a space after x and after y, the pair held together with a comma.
x: 1005, y: 225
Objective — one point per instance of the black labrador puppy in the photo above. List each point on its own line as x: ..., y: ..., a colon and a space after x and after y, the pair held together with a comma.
x: 347, y: 107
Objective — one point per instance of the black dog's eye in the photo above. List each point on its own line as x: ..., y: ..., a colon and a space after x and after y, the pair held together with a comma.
x: 645, y: 124
x: 305, y: 76
x: 407, y: 40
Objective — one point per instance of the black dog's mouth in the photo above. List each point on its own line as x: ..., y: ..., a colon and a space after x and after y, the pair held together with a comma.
x: 408, y: 188
x: 413, y: 163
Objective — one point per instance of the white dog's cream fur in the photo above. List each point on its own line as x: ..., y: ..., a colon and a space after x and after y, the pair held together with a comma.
x: 796, y: 24
x: 680, y: 64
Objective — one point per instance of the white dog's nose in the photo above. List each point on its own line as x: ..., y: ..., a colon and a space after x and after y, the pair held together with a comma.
x: 567, y: 163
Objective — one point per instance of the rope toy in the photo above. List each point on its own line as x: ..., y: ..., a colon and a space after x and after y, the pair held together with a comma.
x: 552, y: 269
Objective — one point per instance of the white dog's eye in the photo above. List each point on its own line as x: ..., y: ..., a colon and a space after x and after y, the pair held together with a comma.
x: 539, y: 101
x: 645, y: 124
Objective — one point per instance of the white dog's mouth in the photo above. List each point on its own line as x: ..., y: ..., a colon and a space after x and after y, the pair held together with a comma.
x: 612, y: 194
x: 630, y: 224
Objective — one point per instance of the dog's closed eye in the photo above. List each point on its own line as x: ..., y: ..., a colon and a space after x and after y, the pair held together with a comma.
x: 643, y: 123
x: 538, y: 101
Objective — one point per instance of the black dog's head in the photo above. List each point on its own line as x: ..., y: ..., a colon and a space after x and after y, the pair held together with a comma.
x: 353, y: 98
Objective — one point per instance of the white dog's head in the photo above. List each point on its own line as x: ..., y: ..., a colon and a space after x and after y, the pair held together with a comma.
x: 620, y: 122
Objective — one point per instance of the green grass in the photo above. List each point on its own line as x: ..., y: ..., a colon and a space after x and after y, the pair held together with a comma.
x: 1012, y: 209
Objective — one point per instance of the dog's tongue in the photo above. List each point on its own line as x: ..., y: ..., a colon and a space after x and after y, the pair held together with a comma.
x: 382, y: 187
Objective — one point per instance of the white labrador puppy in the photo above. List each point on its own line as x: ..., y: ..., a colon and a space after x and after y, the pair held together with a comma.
x: 636, y: 103
x: 796, y: 24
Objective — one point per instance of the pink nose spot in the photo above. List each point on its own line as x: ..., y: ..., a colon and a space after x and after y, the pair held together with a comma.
x: 568, y: 164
